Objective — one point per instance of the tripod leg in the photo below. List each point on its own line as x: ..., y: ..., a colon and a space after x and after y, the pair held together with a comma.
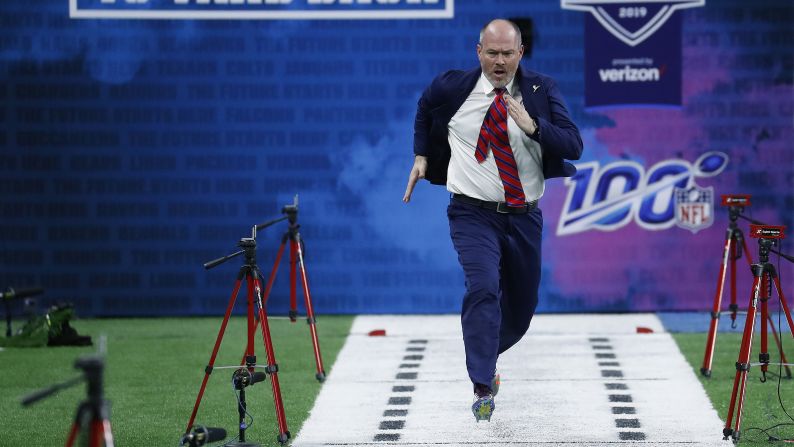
x: 101, y: 435
x: 780, y: 348
x: 77, y: 424
x: 784, y: 303
x: 293, y: 300
x: 742, y: 365
x: 272, y: 369
x: 787, y: 312
x: 733, y: 307
x: 208, y: 369
x: 97, y: 436
x: 310, y: 314
x: 273, y: 272
x: 107, y: 432
x: 763, y: 356
x: 253, y: 287
x: 746, y: 251
x: 708, y: 356
x: 72, y: 434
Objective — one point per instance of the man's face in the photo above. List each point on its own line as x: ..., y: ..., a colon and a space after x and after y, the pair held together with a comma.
x: 499, y: 54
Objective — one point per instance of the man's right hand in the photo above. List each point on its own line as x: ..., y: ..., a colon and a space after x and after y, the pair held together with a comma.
x: 417, y: 172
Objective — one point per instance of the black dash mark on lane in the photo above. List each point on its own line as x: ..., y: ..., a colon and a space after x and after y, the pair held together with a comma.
x: 603, y: 344
x: 627, y: 423
x: 402, y: 400
x: 620, y: 398
x: 407, y: 376
x: 631, y: 436
x: 390, y: 427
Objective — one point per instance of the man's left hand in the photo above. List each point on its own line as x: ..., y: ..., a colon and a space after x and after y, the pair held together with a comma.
x: 520, y: 115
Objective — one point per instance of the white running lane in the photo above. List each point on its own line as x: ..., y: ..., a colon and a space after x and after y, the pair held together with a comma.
x: 573, y: 380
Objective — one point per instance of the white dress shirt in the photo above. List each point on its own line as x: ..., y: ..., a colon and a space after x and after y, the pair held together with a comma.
x: 481, y: 180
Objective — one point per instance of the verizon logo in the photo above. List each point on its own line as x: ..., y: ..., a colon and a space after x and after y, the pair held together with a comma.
x: 630, y: 74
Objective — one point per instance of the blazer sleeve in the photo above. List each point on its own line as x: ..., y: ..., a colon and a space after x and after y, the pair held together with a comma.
x: 422, y: 124
x: 559, y: 134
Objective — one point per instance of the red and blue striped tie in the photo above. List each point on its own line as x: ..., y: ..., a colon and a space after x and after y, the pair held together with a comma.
x: 493, y: 134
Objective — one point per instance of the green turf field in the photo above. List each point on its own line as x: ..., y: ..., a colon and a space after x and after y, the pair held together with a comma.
x: 762, y: 408
x: 155, y: 367
x: 154, y: 371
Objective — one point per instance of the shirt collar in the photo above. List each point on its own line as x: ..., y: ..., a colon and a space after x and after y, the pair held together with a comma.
x: 487, y: 87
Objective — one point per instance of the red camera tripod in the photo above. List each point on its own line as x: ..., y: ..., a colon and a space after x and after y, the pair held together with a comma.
x: 95, y: 411
x: 732, y: 251
x: 92, y: 421
x: 765, y: 275
x: 296, y: 248
x: 249, y: 273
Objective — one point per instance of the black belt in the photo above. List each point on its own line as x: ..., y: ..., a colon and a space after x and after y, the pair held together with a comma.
x: 499, y: 207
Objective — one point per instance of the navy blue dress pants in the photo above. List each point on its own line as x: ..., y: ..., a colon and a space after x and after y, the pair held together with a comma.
x: 500, y: 256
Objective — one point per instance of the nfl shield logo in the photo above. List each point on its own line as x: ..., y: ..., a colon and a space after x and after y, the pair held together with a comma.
x: 694, y: 207
x: 631, y: 21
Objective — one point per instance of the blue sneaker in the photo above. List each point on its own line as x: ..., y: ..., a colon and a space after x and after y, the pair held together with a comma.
x: 483, y: 407
x: 484, y: 404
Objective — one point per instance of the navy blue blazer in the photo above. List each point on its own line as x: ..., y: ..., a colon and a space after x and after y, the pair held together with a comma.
x: 558, y: 135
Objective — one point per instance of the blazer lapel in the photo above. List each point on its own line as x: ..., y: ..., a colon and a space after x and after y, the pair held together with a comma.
x: 466, y: 84
x: 532, y: 93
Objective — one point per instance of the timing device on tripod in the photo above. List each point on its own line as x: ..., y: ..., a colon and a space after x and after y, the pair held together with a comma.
x: 764, y: 277
x: 735, y: 247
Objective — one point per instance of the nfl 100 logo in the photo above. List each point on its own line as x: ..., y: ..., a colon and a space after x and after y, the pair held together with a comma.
x: 694, y: 208
x: 608, y: 197
x: 631, y: 21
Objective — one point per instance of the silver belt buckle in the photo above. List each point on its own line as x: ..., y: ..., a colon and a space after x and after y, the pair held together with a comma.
x: 501, y: 207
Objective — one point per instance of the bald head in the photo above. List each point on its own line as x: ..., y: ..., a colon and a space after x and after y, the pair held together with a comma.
x: 500, y: 51
x: 500, y: 26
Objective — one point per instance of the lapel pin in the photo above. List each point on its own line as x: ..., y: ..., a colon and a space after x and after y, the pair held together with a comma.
x: 535, y: 88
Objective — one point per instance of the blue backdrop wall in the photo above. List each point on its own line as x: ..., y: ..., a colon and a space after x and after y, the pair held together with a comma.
x: 132, y: 151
